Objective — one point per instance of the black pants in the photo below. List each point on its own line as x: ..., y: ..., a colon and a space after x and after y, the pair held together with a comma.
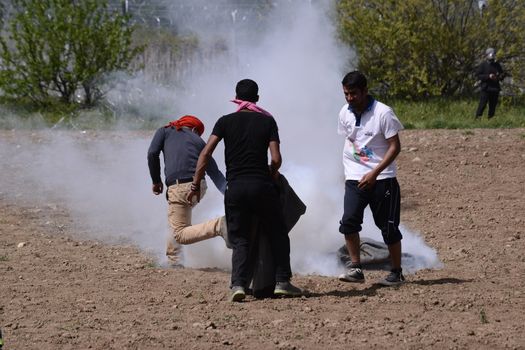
x: 492, y: 99
x: 249, y: 202
x: 384, y: 200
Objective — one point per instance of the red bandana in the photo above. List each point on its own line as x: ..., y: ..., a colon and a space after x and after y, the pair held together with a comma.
x: 189, y: 121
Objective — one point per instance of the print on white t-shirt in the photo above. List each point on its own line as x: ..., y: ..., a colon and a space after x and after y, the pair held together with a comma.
x: 366, y: 145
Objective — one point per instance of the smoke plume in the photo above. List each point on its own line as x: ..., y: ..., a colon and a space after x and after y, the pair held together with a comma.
x: 103, y: 178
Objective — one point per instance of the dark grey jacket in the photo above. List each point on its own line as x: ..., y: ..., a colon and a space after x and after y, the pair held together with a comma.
x: 181, y: 151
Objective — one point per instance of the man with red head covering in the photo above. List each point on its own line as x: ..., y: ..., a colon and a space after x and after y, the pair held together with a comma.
x: 181, y: 144
x: 188, y: 121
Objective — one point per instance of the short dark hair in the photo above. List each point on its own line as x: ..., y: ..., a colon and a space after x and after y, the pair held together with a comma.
x: 247, y: 90
x: 354, y: 80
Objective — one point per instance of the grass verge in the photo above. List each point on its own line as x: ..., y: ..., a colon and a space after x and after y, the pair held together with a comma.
x: 456, y: 114
x: 430, y: 114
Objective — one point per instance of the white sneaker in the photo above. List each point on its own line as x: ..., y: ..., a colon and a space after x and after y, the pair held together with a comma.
x: 352, y: 275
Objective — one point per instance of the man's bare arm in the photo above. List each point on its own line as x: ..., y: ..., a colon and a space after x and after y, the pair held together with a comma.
x: 276, y: 159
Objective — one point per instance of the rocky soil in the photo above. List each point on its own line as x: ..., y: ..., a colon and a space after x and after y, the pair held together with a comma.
x: 463, y: 190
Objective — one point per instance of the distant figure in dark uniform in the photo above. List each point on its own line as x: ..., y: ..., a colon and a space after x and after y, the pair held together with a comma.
x: 490, y: 73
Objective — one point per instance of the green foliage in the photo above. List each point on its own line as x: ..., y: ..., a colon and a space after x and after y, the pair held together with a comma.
x: 502, y: 26
x: 2, y: 14
x: 150, y: 265
x: 421, y: 48
x: 58, y: 48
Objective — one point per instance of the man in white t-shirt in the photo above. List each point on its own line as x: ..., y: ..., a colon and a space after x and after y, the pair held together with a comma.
x: 371, y: 145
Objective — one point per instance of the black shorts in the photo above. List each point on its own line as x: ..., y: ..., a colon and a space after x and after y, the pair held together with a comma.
x: 384, y: 200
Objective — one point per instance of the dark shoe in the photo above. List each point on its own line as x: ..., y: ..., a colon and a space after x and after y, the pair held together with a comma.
x: 286, y: 289
x: 394, y: 278
x: 238, y: 293
x: 353, y: 274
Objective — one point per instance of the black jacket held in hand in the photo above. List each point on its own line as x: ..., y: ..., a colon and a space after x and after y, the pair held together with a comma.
x: 263, y: 278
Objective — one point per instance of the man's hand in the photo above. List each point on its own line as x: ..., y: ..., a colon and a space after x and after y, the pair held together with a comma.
x: 195, y: 190
x: 368, y: 181
x: 273, y: 173
x: 157, y: 188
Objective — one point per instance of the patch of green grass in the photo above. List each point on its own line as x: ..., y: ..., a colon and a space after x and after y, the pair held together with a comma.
x: 483, y: 316
x: 20, y: 116
x: 229, y: 318
x: 434, y: 113
x: 150, y: 265
x: 455, y: 114
x: 4, y: 258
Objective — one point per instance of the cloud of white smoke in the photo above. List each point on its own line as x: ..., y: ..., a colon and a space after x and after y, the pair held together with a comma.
x: 298, y: 64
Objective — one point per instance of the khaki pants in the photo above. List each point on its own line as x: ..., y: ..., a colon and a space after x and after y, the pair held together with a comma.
x: 179, y: 217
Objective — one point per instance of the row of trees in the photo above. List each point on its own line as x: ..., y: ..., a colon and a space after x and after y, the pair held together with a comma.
x: 415, y: 48
x: 62, y: 49
x: 66, y: 49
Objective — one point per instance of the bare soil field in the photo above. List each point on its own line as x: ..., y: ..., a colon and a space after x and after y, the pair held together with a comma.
x: 463, y: 190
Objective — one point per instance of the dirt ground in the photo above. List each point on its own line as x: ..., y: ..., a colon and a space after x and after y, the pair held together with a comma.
x: 463, y: 190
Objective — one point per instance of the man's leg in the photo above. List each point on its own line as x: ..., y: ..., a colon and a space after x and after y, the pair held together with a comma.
x: 395, y: 255
x: 483, y: 99
x: 353, y: 246
x: 173, y: 252
x: 355, y: 201
x: 395, y: 277
x: 493, y: 102
x: 385, y: 206
x: 239, y: 218
x: 200, y: 232
x: 179, y: 214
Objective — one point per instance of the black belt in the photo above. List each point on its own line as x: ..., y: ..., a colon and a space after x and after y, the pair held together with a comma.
x: 181, y: 181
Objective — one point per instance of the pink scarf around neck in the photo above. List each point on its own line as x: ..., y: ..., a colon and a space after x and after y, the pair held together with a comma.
x: 250, y: 106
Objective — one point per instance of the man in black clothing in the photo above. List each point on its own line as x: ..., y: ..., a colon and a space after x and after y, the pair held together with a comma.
x: 251, y: 196
x: 490, y: 74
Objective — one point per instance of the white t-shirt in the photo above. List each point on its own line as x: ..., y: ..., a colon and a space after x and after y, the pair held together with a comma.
x: 366, y: 145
